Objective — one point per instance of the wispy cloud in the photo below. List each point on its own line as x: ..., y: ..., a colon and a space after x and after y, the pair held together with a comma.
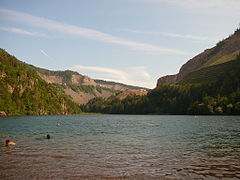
x: 229, y: 4
x: 221, y: 6
x: 22, y: 31
x: 174, y: 35
x: 111, y: 73
x: 196, y: 3
x: 86, y: 33
x: 140, y: 72
x: 45, y: 54
x: 133, y: 75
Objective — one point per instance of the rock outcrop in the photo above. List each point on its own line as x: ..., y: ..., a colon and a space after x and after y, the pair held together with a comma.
x: 84, y: 80
x: 82, y: 88
x: 192, y: 65
x: 51, y: 79
x: 169, y: 79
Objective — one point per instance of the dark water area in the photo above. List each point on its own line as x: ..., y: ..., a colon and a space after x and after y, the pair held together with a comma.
x: 120, y: 147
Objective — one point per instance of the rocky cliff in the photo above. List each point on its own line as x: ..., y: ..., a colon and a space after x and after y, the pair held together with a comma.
x: 82, y: 88
x: 169, y: 79
x: 224, y: 51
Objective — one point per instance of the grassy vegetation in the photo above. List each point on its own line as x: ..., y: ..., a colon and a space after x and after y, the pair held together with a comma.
x: 89, y: 89
x: 116, y: 83
x: 222, y: 59
x: 209, y: 74
x: 216, y: 49
x: 79, y: 87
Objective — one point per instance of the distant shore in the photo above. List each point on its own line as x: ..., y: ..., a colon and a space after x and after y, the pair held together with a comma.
x: 3, y: 114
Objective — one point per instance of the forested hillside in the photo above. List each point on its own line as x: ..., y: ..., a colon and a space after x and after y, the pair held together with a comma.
x: 218, y: 96
x: 23, y: 92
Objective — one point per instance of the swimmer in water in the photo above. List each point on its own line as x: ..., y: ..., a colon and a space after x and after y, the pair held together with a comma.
x: 9, y: 143
x: 48, y: 136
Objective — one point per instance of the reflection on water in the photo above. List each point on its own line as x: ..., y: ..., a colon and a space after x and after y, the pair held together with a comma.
x: 120, y: 147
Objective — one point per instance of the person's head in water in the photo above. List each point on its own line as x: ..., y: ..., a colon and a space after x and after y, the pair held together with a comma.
x: 7, y: 142
x: 48, y: 136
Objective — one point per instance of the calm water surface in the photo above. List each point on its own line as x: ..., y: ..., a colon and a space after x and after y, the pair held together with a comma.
x: 120, y: 147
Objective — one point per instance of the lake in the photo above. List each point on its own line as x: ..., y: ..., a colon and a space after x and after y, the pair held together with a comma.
x: 120, y: 147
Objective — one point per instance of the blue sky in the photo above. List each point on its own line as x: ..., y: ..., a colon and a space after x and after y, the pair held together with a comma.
x: 129, y: 41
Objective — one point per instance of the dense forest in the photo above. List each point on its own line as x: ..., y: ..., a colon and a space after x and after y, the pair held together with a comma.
x: 23, y: 92
x: 219, y: 97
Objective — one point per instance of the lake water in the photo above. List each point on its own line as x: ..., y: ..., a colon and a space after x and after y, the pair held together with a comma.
x: 120, y: 147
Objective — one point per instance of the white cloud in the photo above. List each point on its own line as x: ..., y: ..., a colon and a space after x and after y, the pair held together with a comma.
x: 189, y: 36
x: 220, y: 6
x: 140, y: 72
x: 174, y: 35
x: 85, y: 32
x: 22, y: 31
x: 45, y: 54
x: 112, y: 73
x: 133, y: 76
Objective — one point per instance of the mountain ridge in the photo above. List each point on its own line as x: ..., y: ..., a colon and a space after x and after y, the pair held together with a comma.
x: 66, y: 76
x: 208, y: 84
x: 29, y: 90
x: 82, y: 88
x: 224, y: 51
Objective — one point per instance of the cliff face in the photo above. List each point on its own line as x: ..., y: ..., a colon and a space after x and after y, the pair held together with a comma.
x: 192, y: 65
x: 51, y: 79
x: 74, y: 78
x: 84, y: 80
x: 224, y: 51
x: 169, y: 79
x: 82, y: 88
x: 79, y: 87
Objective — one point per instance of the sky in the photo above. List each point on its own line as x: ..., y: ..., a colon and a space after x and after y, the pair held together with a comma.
x: 129, y: 41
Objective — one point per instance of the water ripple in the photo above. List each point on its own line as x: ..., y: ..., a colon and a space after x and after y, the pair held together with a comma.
x: 121, y: 147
